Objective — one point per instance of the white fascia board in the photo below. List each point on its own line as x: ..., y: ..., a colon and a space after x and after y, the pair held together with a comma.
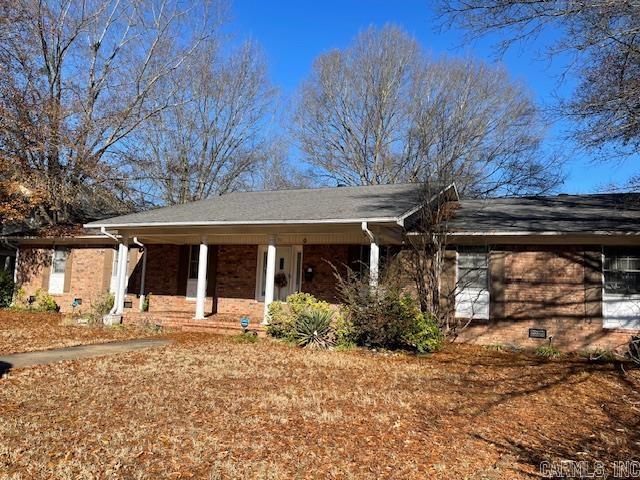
x: 533, y: 234
x: 356, y: 221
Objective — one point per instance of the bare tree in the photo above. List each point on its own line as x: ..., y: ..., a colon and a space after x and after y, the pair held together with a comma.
x: 213, y: 140
x: 279, y: 172
x: 602, y: 36
x: 353, y: 108
x: 77, y: 78
x: 381, y: 111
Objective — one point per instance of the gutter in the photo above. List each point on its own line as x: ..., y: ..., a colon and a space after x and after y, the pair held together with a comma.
x: 241, y: 223
x: 533, y: 234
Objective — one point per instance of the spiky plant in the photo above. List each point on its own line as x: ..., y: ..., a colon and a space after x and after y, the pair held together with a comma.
x: 313, y: 329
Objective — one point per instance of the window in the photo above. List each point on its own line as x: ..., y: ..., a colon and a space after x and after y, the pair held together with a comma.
x: 59, y: 260
x: 472, y: 284
x: 473, y: 267
x: 194, y: 254
x: 622, y: 272
x: 621, y: 297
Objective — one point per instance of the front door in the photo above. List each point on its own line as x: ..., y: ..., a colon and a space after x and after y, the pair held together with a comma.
x: 282, y: 279
x: 288, y: 271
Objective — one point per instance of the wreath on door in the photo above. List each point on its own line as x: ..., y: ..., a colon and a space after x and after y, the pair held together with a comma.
x: 280, y: 280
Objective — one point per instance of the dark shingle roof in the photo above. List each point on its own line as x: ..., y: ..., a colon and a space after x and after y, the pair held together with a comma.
x: 563, y: 213
x: 316, y: 204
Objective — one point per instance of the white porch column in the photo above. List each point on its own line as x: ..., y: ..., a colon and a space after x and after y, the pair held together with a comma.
x: 123, y: 253
x: 374, y: 256
x: 269, y: 280
x: 201, y: 286
x: 143, y: 275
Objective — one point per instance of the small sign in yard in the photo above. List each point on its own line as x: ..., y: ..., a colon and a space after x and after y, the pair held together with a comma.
x: 244, y: 322
x: 537, y: 333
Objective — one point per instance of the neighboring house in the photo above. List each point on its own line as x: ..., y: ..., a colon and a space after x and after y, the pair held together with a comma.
x: 562, y: 266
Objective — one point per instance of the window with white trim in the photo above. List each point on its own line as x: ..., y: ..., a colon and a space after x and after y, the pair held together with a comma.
x: 194, y: 255
x: 472, y: 283
x: 621, y: 288
x: 60, y: 259
x: 473, y: 269
x: 622, y: 273
x: 58, y: 267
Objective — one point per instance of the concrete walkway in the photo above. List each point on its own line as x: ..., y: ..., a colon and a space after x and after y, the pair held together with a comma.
x: 43, y: 357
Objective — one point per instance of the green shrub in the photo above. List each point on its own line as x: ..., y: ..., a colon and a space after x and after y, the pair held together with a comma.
x: 344, y: 330
x: 424, y: 335
x: 102, y: 304
x: 547, y: 351
x: 313, y: 329
x: 6, y: 288
x: 282, y: 316
x: 246, y: 337
x: 280, y: 320
x: 496, y: 347
x: 45, y: 302
x: 385, y: 317
x: 42, y: 302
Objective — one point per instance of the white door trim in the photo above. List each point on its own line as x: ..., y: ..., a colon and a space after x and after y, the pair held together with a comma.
x: 291, y: 274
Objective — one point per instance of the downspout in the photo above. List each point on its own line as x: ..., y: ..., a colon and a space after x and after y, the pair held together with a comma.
x: 143, y: 274
x: 15, y: 266
x: 103, y: 230
x: 369, y: 233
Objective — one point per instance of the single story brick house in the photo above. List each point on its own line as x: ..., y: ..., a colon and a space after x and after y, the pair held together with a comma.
x: 565, y: 266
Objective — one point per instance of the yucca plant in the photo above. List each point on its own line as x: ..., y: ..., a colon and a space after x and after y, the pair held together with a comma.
x: 313, y: 329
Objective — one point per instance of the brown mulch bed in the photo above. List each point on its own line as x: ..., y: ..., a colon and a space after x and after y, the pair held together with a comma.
x: 208, y: 407
x: 31, y: 331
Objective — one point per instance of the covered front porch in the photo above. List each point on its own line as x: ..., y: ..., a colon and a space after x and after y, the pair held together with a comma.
x: 212, y: 277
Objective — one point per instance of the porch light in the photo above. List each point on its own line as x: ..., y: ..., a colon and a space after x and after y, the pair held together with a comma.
x: 308, y: 274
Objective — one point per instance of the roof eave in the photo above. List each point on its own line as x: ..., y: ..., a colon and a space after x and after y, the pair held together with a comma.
x: 445, y: 191
x: 339, y: 221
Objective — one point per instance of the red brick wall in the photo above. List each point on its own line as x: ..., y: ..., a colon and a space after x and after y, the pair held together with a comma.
x: 161, y: 278
x: 556, y: 288
x: 320, y: 258
x: 87, y: 274
x: 236, y: 281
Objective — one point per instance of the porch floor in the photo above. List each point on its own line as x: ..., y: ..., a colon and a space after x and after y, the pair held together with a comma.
x: 225, y: 324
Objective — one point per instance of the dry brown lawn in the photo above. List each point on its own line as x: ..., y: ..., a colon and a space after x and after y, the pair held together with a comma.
x: 29, y: 331
x: 209, y: 407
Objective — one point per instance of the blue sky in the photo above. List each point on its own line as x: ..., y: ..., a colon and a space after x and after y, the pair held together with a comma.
x: 293, y: 33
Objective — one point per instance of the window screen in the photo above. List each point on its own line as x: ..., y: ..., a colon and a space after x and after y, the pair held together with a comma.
x: 473, y: 269
x: 622, y: 272
x: 59, y: 260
